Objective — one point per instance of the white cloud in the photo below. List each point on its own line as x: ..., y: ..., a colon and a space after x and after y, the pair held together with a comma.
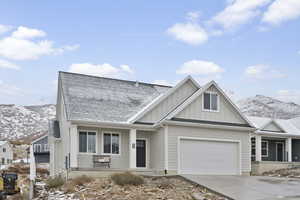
x: 238, y: 12
x: 104, y: 70
x: 282, y: 10
x: 162, y: 82
x: 200, y: 67
x: 4, y: 28
x: 289, y: 96
x: 193, y: 16
x: 263, y: 72
x: 190, y: 33
x: 126, y: 68
x: 19, y: 45
x: 8, y: 65
x: 27, y: 33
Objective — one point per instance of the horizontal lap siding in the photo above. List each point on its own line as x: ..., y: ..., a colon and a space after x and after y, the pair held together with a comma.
x: 117, y: 161
x: 176, y: 131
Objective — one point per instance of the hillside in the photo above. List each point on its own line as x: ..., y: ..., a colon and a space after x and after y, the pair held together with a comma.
x: 263, y: 106
x: 22, y: 121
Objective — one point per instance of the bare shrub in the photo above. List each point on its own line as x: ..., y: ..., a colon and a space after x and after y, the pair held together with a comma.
x: 127, y: 178
x: 81, y: 180
x: 55, y: 182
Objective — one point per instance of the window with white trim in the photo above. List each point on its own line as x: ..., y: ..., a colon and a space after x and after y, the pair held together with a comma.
x: 264, y: 148
x: 210, y: 101
x: 87, y: 141
x: 111, y: 143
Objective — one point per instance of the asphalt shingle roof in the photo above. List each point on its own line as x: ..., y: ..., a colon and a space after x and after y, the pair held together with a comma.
x: 288, y: 125
x: 98, y: 99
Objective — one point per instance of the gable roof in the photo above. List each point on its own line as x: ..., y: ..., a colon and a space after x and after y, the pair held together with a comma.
x: 161, y: 98
x: 39, y: 138
x: 99, y: 99
x: 198, y: 94
x: 286, y: 125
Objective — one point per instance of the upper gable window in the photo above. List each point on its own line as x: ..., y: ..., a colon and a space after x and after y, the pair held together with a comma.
x: 211, y: 101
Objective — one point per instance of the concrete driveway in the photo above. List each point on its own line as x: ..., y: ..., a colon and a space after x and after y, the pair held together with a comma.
x: 250, y: 187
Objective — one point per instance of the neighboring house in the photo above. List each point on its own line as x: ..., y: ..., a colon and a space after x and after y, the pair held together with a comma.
x: 147, y: 127
x: 275, y: 143
x: 41, y: 149
x: 6, y: 153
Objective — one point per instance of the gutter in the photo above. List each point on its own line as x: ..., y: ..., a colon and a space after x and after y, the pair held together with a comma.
x: 190, y: 124
x: 114, y: 125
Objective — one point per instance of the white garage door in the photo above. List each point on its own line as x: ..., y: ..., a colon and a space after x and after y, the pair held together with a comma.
x: 208, y: 157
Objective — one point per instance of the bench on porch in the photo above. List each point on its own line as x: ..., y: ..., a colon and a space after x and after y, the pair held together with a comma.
x: 101, y: 160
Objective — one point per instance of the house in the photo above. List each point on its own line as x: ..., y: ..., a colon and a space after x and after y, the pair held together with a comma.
x: 275, y: 144
x: 6, y: 153
x: 146, y: 127
x: 41, y: 149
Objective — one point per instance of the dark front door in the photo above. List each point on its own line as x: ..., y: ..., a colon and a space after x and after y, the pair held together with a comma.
x: 140, y: 153
x: 279, y: 148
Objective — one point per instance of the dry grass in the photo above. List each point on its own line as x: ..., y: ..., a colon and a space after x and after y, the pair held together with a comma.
x: 127, y: 178
x: 55, y: 182
x: 69, y: 187
x: 81, y: 180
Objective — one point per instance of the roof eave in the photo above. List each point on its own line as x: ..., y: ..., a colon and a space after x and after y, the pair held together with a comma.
x: 118, y: 125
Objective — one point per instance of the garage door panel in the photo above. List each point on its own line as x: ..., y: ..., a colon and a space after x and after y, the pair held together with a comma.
x: 209, y: 157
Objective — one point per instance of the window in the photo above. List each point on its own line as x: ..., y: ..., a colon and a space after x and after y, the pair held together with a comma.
x: 264, y: 148
x: 87, y: 142
x: 111, y: 143
x: 210, y: 101
x: 4, y: 150
x: 3, y: 161
x: 253, y: 152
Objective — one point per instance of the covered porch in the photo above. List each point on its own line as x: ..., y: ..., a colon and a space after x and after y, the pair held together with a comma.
x: 136, y: 150
x: 271, y: 153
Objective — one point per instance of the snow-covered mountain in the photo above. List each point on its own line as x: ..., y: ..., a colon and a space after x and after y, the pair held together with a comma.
x: 263, y: 106
x: 22, y: 121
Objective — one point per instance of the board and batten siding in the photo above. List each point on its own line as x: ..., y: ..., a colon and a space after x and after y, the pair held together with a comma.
x: 170, y: 102
x: 227, y: 112
x: 174, y: 132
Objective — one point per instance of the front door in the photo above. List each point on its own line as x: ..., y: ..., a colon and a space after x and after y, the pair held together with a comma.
x: 140, y: 153
x: 279, y: 150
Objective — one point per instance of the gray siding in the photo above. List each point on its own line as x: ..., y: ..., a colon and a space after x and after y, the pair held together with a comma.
x: 85, y: 160
x: 227, y: 112
x: 43, y: 140
x: 42, y: 158
x: 170, y: 103
x: 157, y: 150
x: 175, y: 131
x: 296, y: 150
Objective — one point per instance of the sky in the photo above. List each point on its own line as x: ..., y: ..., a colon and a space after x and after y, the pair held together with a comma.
x: 248, y: 47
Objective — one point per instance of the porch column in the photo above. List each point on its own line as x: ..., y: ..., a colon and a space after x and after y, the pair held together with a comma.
x: 257, y: 148
x: 132, y: 148
x: 288, y: 147
x: 73, y: 138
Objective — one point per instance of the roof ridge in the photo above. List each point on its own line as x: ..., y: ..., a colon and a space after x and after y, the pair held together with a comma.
x: 153, y: 84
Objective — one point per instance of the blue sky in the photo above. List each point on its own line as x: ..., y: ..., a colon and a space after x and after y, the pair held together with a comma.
x: 248, y: 46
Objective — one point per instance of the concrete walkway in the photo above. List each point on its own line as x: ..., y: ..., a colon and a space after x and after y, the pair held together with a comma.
x: 250, y: 187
